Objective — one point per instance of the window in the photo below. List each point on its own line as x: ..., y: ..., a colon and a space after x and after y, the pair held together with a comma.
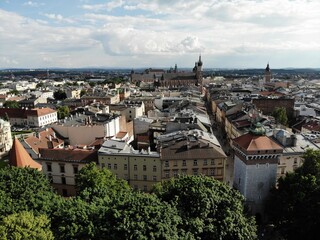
x: 49, y: 167
x: 63, y: 180
x: 135, y: 177
x: 184, y: 171
x: 166, y: 174
x: 135, y: 187
x: 135, y: 167
x: 175, y: 173
x: 103, y: 165
x: 144, y: 167
x: 205, y: 162
x: 145, y: 177
x: 125, y: 167
x: 109, y: 165
x: 295, y: 161
x: 154, y: 168
x: 175, y: 163
x: 62, y: 170
x: 154, y: 178
x: 184, y: 163
x: 75, y: 169
x: 166, y: 164
x: 195, y: 172
x: 145, y: 188
x: 212, y: 172
x: 115, y: 166
x: 195, y: 162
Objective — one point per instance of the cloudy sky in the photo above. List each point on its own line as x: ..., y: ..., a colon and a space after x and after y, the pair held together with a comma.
x: 159, y: 33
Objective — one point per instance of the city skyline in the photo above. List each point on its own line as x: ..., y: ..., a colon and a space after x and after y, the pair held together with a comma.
x: 133, y: 34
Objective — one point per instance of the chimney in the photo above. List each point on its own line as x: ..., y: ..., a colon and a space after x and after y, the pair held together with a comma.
x: 50, y: 138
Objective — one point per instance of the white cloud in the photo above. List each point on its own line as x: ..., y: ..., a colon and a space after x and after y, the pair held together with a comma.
x: 162, y: 30
x: 107, y: 6
x: 33, y: 4
x: 58, y: 17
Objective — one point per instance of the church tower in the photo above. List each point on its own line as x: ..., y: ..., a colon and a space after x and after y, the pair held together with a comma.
x: 198, y: 71
x: 267, y: 74
x: 255, y: 167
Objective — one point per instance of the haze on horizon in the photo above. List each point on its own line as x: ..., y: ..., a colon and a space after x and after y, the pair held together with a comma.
x: 147, y: 33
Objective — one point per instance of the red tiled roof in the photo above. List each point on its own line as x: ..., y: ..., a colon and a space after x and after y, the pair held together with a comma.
x: 252, y: 142
x: 69, y: 155
x: 43, y: 141
x: 20, y: 158
x: 23, y: 113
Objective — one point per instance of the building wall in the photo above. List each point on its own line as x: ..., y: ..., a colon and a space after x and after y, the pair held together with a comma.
x: 268, y: 105
x: 209, y: 167
x: 86, y: 134
x: 289, y: 163
x: 57, y: 175
x: 254, y: 182
x: 141, y: 171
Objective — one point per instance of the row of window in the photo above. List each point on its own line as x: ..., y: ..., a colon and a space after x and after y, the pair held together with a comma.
x: 208, y: 172
x: 125, y: 167
x: 195, y: 162
x: 62, y: 168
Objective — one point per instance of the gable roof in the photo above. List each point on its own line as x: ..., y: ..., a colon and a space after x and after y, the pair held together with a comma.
x: 251, y: 142
x: 19, y: 157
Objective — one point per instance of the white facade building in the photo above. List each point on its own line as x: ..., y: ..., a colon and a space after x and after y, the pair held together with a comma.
x: 5, y: 137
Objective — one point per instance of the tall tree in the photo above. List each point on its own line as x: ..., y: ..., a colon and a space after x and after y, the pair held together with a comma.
x: 24, y: 189
x: 63, y: 111
x: 209, y: 209
x: 59, y: 95
x: 294, y: 206
x: 280, y: 114
x: 92, y: 182
x: 11, y: 104
x: 24, y: 225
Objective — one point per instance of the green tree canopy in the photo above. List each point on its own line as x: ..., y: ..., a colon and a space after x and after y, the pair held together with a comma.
x: 11, y: 104
x: 59, y: 95
x: 141, y: 216
x: 25, y: 189
x: 294, y: 206
x: 92, y: 182
x: 280, y: 114
x: 63, y: 111
x: 209, y: 209
x: 24, y: 225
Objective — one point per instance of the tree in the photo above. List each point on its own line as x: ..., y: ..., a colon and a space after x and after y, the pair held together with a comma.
x: 14, y: 92
x: 141, y: 216
x: 280, y: 114
x: 11, y: 104
x: 209, y: 209
x: 24, y: 225
x: 63, y: 111
x: 82, y: 92
x: 294, y: 206
x: 92, y: 182
x: 60, y: 95
x: 24, y: 189
x: 76, y: 219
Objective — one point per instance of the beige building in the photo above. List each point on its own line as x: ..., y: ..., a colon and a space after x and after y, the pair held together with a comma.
x: 73, y: 93
x: 85, y: 129
x: 191, y: 152
x: 142, y: 169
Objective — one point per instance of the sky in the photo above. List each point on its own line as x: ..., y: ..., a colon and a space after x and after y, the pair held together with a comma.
x: 159, y: 33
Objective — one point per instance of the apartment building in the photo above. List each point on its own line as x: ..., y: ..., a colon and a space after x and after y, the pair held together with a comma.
x: 37, y: 117
x: 62, y: 165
